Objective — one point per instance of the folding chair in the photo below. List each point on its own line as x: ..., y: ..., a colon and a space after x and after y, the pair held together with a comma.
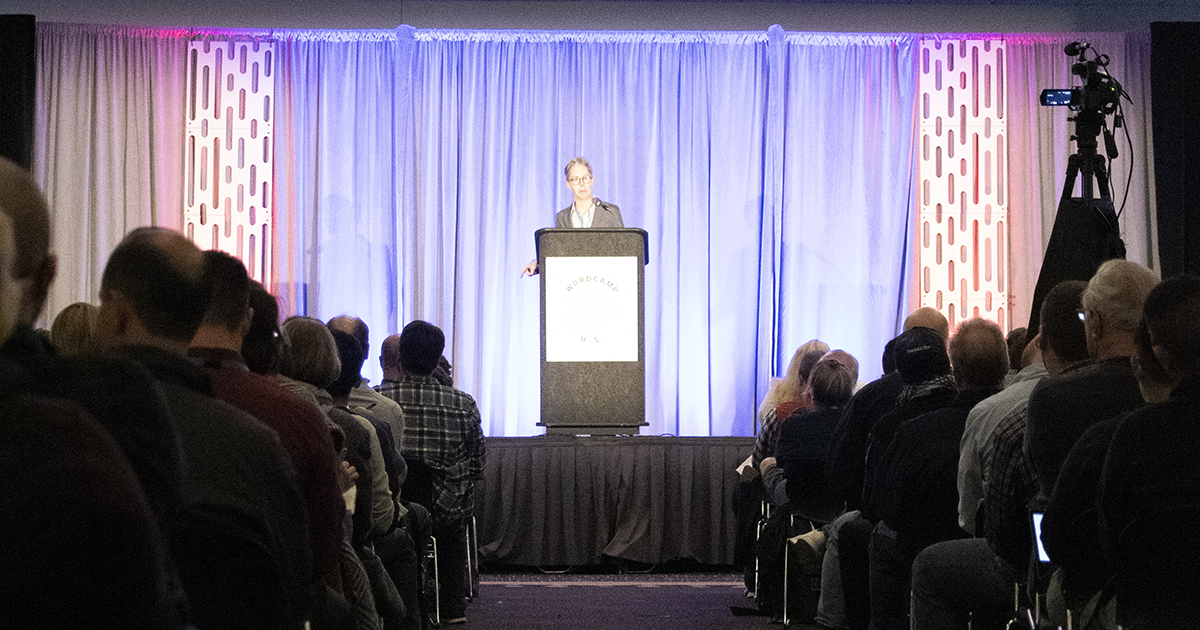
x: 787, y: 521
x: 811, y: 578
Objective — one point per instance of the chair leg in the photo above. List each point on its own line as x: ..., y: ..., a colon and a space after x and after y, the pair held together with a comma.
x: 472, y: 561
x: 764, y: 515
x: 436, y: 617
x: 787, y: 620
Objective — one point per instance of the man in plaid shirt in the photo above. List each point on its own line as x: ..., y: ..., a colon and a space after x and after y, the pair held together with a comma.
x: 443, y: 445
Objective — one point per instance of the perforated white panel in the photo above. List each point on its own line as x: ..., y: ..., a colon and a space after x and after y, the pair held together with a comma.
x: 963, y: 228
x: 230, y: 93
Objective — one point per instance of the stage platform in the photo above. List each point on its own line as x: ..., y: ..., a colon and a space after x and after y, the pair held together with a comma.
x: 554, y: 501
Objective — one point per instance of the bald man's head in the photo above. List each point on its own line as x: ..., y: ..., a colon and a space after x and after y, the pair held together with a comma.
x: 160, y: 274
x: 353, y: 326
x: 929, y: 317
x: 29, y: 218
x: 389, y: 358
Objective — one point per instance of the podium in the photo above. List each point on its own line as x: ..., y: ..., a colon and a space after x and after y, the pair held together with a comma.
x: 593, y: 330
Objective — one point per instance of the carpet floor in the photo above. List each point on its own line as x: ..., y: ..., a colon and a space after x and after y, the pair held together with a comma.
x: 611, y: 602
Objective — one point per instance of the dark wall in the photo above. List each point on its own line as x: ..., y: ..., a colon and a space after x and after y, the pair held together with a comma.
x: 1175, y: 98
x: 17, y: 70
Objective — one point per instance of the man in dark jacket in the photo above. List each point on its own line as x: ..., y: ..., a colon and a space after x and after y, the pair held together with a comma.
x: 241, y: 503
x: 1152, y: 465
x: 916, y: 481
x: 924, y: 367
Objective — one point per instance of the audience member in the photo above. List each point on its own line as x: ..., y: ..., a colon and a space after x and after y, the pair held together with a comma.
x: 216, y: 347
x: 1151, y: 465
x: 74, y: 329
x: 242, y: 492
x: 924, y: 368
x: 308, y: 364
x: 798, y: 481
x: 1017, y: 343
x: 417, y: 521
x: 383, y: 467
x: 389, y: 358
x: 263, y: 342
x: 362, y: 395
x: 983, y: 418
x: 401, y: 552
x: 799, y: 478
x: 844, y: 470
x: 848, y: 450
x: 975, y: 577
x: 1062, y: 408
x: 1027, y: 453
x: 1071, y: 526
x: 830, y: 606
x: 32, y: 266
x: 82, y: 537
x: 443, y: 445
x: 1066, y: 340
x: 444, y: 372
x: 916, y: 478
x: 119, y: 394
x: 81, y: 546
x: 784, y: 396
x: 385, y: 533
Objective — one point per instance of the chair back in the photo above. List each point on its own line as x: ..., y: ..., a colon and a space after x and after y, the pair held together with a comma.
x: 418, y: 485
x: 1158, y: 570
x: 231, y: 578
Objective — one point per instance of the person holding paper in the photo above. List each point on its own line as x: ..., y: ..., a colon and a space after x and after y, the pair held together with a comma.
x: 585, y: 210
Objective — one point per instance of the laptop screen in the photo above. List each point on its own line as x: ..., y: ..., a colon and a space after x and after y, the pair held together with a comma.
x: 1037, y: 536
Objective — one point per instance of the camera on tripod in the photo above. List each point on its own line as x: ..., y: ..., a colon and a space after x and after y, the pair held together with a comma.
x: 1086, y: 228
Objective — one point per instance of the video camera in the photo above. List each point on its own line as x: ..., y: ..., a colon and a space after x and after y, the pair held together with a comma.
x: 1095, y: 100
x: 1099, y: 92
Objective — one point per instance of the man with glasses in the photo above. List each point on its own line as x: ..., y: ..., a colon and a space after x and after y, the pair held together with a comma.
x: 585, y: 210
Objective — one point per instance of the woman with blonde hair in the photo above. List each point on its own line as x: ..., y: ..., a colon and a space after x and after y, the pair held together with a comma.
x: 74, y: 329
x: 786, y: 395
x: 804, y: 442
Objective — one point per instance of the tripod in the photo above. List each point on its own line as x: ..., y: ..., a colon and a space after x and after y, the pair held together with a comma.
x: 1085, y: 231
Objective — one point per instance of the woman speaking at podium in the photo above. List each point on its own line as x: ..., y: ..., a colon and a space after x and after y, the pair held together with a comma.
x: 585, y: 210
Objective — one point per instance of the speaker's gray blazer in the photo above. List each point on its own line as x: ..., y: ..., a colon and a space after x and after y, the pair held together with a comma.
x: 607, y: 216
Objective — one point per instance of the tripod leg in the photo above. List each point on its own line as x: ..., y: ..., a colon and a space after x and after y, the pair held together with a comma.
x: 1072, y: 173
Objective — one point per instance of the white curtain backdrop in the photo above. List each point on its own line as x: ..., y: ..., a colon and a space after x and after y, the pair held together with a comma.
x: 772, y: 170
